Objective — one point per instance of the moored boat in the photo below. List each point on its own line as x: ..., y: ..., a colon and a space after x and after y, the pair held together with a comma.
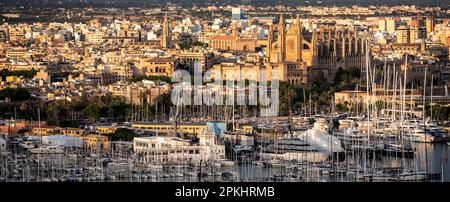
x: 47, y: 150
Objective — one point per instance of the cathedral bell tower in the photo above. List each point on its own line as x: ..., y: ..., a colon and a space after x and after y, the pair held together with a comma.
x: 165, y: 39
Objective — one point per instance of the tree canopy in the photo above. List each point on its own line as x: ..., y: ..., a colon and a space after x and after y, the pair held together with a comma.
x: 25, y: 73
x: 188, y: 45
x: 15, y: 94
x: 106, y: 107
x: 122, y: 134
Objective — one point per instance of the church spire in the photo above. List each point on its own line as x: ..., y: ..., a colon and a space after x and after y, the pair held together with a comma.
x: 281, y: 38
x: 299, y: 38
x: 270, y: 38
x: 281, y: 23
x: 314, y: 46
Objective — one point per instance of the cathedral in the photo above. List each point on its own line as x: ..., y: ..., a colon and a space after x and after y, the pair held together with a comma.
x: 295, y: 53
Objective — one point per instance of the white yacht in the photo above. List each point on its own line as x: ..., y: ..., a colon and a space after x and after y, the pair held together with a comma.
x: 365, y: 124
x: 47, y: 150
x: 413, y: 176
x: 226, y: 163
x: 350, y: 120
x: 345, y: 122
x: 352, y: 136
x: 28, y: 145
x: 313, y: 145
x: 319, y: 138
x: 419, y: 135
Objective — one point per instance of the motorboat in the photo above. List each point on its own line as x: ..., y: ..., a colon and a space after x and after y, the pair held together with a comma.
x: 365, y: 124
x: 349, y: 120
x: 227, y: 163
x: 419, y: 135
x: 319, y: 138
x: 352, y: 136
x: 28, y: 145
x: 345, y: 122
x: 413, y: 176
x: 312, y: 145
x: 47, y: 149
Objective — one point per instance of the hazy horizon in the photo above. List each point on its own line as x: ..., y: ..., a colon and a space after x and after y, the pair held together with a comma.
x: 146, y: 3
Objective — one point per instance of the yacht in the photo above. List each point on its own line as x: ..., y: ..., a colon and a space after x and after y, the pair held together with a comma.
x: 227, y: 163
x: 28, y: 145
x: 419, y: 135
x: 319, y: 138
x: 345, y: 122
x: 352, y: 136
x: 47, y: 150
x: 300, y: 123
x: 365, y: 124
x: 313, y: 145
x: 413, y: 176
x: 350, y: 120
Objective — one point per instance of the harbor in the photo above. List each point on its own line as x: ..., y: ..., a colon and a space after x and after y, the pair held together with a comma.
x: 235, y: 91
x: 312, y: 155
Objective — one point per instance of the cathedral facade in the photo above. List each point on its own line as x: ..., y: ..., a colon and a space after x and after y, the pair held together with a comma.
x: 295, y: 54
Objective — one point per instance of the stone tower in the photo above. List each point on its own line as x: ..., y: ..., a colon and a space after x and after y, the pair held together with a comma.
x: 165, y: 39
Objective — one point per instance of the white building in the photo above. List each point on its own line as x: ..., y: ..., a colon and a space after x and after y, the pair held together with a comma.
x: 62, y: 141
x: 217, y: 24
x: 176, y: 150
x: 151, y: 36
x: 237, y: 13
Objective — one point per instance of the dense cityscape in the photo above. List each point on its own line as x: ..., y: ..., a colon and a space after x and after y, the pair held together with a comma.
x: 143, y: 91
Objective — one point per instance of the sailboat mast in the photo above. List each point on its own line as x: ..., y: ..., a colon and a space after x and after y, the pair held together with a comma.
x: 431, y: 98
x: 423, y: 117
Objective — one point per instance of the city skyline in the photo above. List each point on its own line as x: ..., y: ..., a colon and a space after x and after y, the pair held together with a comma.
x: 160, y: 3
x: 236, y: 91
